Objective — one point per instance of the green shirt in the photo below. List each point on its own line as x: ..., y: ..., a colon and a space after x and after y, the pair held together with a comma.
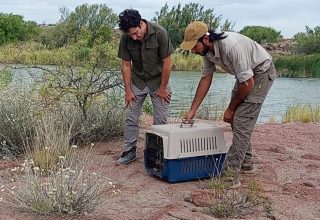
x: 146, y: 56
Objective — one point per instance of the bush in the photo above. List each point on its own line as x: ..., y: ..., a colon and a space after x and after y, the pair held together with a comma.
x: 261, y: 34
x: 22, y: 111
x: 308, y: 42
x: 13, y: 28
x: 17, y: 121
x: 237, y: 203
x: 70, y: 189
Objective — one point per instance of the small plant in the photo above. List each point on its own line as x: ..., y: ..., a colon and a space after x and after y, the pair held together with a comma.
x: 234, y: 203
x: 71, y: 189
x: 272, y: 119
x: 17, y: 120
x: 5, y: 78
x: 51, y: 139
x: 147, y: 106
x: 55, y: 178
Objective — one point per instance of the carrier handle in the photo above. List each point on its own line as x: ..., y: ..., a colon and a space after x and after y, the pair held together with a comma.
x: 185, y: 122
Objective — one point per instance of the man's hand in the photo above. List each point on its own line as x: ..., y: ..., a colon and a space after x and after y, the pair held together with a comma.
x: 164, y: 94
x: 190, y: 115
x: 129, y: 98
x: 228, y: 115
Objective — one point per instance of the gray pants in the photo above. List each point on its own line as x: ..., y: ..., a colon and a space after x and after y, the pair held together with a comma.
x: 244, y: 121
x: 160, y: 112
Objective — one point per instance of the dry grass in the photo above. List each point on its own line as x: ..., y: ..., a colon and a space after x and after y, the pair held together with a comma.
x: 55, y: 177
x: 51, y: 140
x: 302, y: 113
x: 71, y: 189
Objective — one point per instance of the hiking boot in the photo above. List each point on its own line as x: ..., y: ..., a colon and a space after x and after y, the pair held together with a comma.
x: 127, y: 157
x: 247, y: 168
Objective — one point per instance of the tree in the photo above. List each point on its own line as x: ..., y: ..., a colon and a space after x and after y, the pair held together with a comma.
x: 13, y: 28
x: 262, y: 34
x: 227, y: 25
x: 90, y: 23
x: 308, y: 42
x: 79, y: 82
x: 176, y: 19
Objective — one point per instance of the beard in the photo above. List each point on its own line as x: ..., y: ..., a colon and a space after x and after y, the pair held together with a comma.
x: 205, y: 50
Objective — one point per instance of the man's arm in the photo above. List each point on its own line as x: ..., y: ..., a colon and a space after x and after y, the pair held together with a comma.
x: 163, y: 93
x: 202, y: 90
x: 241, y: 94
x: 126, y: 76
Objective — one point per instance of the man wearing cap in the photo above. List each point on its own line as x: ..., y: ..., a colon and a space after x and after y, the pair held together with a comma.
x: 254, y: 71
x: 145, y: 50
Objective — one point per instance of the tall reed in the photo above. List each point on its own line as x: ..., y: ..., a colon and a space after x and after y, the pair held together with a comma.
x: 298, y: 65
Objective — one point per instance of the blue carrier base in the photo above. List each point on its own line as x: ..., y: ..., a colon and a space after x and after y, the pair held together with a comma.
x: 186, y: 169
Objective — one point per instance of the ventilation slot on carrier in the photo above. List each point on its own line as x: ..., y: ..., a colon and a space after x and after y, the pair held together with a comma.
x: 198, y: 144
x: 210, y: 163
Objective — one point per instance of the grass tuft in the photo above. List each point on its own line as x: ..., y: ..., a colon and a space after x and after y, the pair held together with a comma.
x: 302, y: 113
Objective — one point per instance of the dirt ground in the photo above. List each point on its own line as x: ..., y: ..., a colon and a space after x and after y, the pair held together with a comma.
x: 287, y: 157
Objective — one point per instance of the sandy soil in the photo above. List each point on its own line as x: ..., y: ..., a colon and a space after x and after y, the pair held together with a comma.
x: 287, y: 157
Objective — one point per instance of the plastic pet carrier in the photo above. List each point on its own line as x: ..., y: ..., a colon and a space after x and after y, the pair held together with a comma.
x: 178, y: 153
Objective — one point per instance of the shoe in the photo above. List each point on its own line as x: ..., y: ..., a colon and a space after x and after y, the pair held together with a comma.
x: 127, y: 157
x: 247, y: 168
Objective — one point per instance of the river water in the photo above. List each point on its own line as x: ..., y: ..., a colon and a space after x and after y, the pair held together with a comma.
x: 284, y: 93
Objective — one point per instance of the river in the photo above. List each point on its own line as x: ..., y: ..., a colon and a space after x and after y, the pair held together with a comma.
x: 284, y: 93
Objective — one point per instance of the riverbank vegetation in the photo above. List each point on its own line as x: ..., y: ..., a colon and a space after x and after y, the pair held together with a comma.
x: 302, y: 113
x: 26, y: 43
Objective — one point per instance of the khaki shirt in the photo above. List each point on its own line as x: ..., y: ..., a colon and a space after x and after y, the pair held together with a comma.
x: 237, y: 55
x: 146, y: 56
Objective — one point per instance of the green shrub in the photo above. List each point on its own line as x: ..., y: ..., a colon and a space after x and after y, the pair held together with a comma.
x: 308, y: 42
x: 298, y: 65
x: 147, y: 106
x: 262, y: 34
x: 13, y: 28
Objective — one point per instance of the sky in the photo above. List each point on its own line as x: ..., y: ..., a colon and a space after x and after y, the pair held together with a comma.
x: 287, y: 16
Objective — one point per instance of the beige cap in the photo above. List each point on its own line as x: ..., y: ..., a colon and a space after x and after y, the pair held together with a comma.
x: 193, y: 32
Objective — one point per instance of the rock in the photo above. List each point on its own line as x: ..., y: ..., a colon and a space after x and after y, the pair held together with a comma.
x: 201, y: 197
x: 309, y: 184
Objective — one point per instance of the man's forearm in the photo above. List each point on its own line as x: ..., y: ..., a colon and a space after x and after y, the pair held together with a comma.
x: 165, y: 75
x: 126, y: 74
x: 241, y: 94
x: 202, y: 90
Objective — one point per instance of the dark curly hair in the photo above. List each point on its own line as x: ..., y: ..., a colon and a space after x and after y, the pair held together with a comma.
x: 213, y: 36
x: 129, y: 18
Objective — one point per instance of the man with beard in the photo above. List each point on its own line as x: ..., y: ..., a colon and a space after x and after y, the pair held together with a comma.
x: 254, y: 71
x: 145, y: 50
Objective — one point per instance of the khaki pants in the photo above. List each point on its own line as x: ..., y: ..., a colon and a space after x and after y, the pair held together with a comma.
x: 245, y: 118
